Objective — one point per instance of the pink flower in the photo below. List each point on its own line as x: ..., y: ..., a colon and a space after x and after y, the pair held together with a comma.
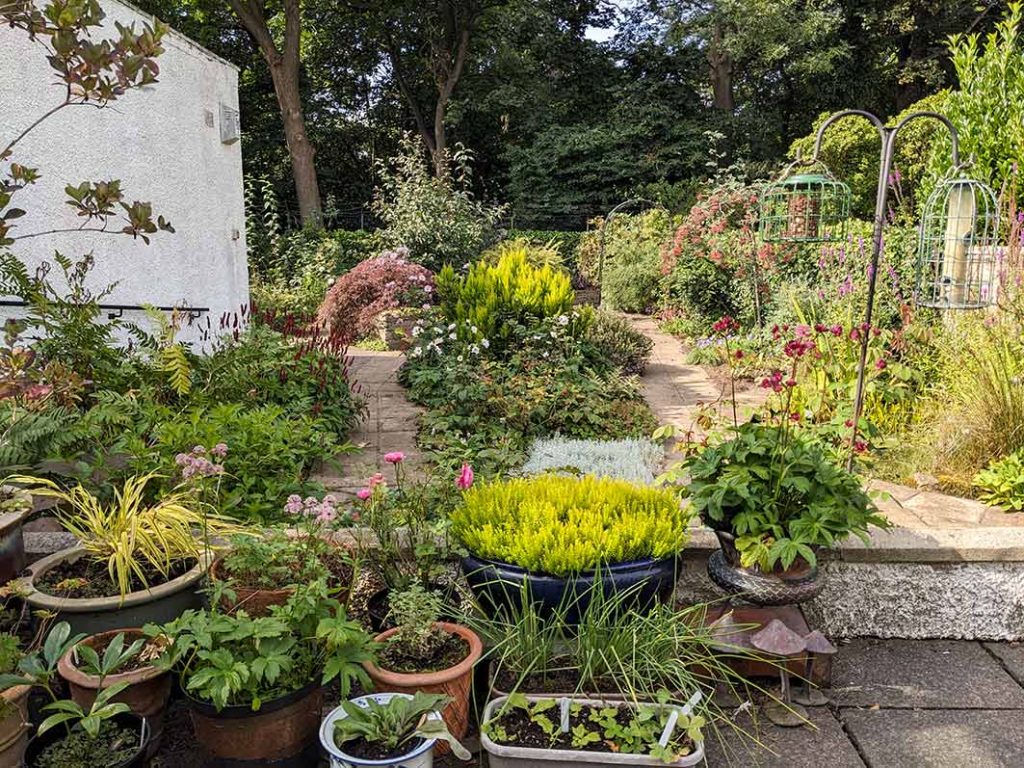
x: 375, y: 480
x: 395, y: 457
x: 220, y: 449
x: 363, y: 494
x: 293, y: 506
x: 465, y: 478
x: 880, y: 365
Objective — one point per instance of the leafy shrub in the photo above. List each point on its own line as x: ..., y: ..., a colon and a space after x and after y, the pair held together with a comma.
x: 779, y: 493
x: 988, y: 106
x: 386, y: 282
x: 703, y: 289
x: 563, y: 525
x: 616, y: 341
x: 633, y: 243
x: 233, y: 659
x: 490, y: 302
x: 304, y: 372
x: 269, y: 454
x: 850, y: 150
x: 566, y: 242
x: 547, y: 254
x: 436, y: 218
x: 484, y: 408
x: 305, y: 264
x: 632, y: 460
x: 1002, y: 483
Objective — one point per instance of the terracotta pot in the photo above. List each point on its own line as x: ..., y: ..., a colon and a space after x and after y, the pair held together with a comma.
x: 281, y: 730
x: 147, y: 692
x: 456, y: 682
x: 257, y: 602
x: 14, y: 726
x: 158, y: 605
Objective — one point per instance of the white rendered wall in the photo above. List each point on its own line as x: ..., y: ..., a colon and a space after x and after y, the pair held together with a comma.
x: 157, y: 142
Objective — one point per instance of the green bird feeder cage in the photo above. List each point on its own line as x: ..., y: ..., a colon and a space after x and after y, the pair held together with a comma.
x: 958, y: 250
x: 810, y: 206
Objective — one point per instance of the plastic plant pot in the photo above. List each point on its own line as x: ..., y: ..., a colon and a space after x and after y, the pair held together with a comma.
x: 127, y: 719
x: 279, y: 733
x: 506, y: 756
x: 159, y: 604
x: 499, y: 586
x: 419, y: 756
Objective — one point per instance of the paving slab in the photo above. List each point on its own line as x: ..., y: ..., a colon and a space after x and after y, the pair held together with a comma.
x: 823, y: 746
x: 921, y: 674
x: 901, y: 738
x: 1011, y: 656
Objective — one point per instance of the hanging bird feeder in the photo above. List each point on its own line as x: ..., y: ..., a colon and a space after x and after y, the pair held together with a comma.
x: 810, y: 206
x: 958, y: 251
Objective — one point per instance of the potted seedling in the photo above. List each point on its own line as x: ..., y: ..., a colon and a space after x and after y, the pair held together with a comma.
x: 262, y: 570
x: 522, y: 731
x: 254, y: 684
x: 423, y: 654
x: 136, y: 561
x: 106, y: 733
x: 123, y: 658
x: 559, y: 536
x: 382, y: 729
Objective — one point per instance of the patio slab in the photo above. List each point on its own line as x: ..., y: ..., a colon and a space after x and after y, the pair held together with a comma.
x: 802, y: 747
x: 905, y: 674
x: 1011, y: 656
x: 980, y: 738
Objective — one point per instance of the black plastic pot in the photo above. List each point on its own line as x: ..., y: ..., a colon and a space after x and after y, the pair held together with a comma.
x: 126, y: 719
x: 499, y: 587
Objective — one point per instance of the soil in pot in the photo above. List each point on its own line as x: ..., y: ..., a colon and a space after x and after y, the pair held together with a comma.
x: 522, y: 731
x: 366, y: 750
x: 117, y: 744
x: 395, y: 658
x: 86, y: 578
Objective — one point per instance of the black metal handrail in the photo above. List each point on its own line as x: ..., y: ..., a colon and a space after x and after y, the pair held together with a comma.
x: 114, y: 311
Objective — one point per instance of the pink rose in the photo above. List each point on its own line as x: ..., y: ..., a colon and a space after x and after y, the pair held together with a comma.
x: 363, y: 494
x: 395, y: 457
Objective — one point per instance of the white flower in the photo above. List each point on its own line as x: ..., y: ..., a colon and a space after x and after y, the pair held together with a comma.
x: 452, y: 336
x: 563, y: 320
x: 459, y: 358
x: 485, y: 343
x: 416, y: 352
x: 451, y: 327
x: 475, y: 349
x: 416, y: 331
x: 473, y: 329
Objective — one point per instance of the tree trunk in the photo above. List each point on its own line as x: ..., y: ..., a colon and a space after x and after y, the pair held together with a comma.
x: 300, y: 151
x: 284, y: 70
x: 720, y: 61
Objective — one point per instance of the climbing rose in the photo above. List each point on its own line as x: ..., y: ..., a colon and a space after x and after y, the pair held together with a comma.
x: 465, y: 478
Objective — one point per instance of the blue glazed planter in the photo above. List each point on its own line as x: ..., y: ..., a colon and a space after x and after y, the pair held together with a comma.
x: 500, y: 587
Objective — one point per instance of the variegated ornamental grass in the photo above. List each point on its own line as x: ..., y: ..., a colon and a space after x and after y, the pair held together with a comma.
x: 564, y: 525
x: 133, y: 536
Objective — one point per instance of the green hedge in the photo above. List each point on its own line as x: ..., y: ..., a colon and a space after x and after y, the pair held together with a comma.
x: 567, y: 241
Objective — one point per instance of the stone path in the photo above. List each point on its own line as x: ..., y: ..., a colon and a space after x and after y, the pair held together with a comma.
x: 677, y: 391
x: 389, y: 425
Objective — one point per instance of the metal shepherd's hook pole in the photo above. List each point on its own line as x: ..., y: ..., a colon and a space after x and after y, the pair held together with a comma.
x: 888, y: 136
x: 604, y: 227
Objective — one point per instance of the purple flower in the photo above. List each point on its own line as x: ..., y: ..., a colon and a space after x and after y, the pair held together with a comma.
x: 220, y: 449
